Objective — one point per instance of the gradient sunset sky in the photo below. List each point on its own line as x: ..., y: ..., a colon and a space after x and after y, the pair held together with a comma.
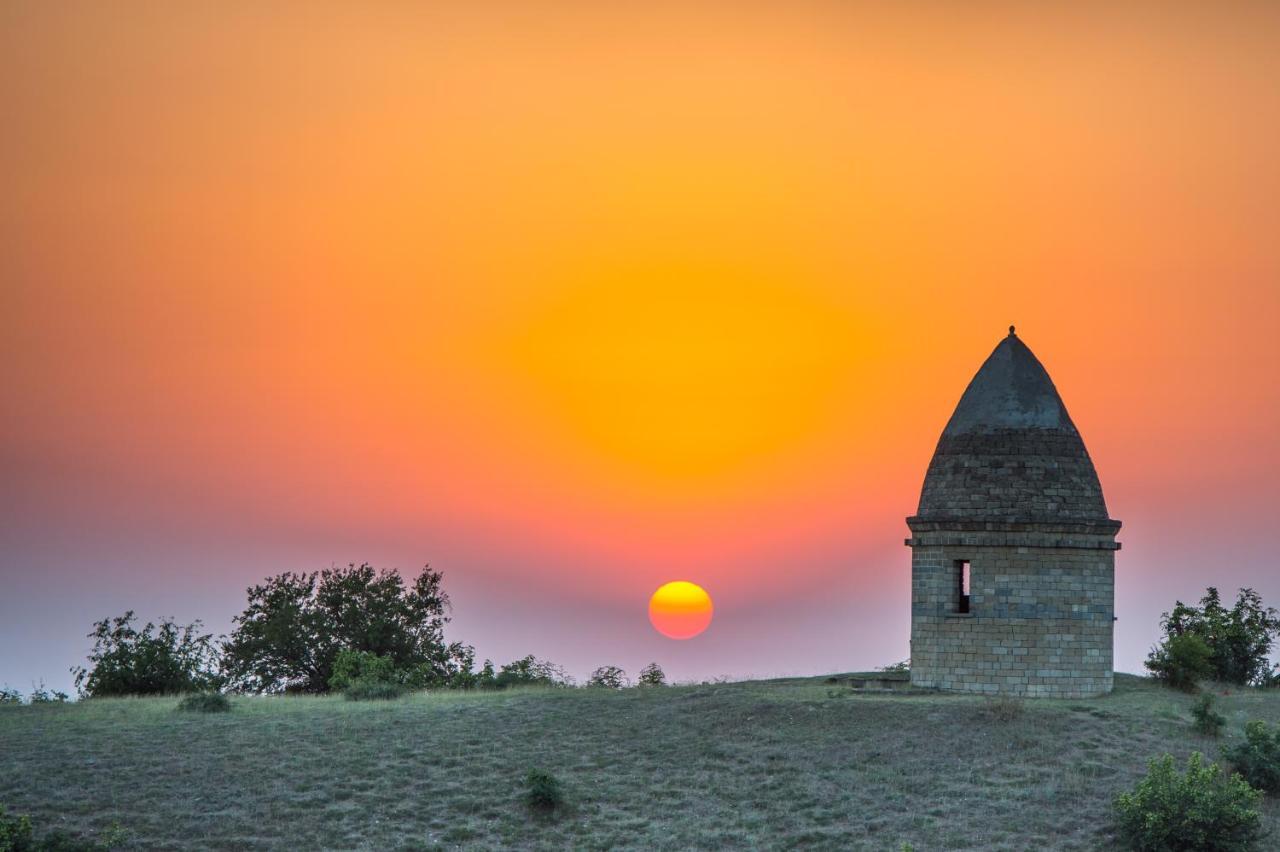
x: 571, y: 301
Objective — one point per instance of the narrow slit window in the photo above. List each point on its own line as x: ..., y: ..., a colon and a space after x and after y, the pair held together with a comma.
x: 962, y: 579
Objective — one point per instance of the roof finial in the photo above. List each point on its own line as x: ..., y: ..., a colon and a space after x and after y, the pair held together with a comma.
x: 1011, y: 334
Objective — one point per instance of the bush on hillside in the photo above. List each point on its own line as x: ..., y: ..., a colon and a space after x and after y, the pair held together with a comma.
x: 373, y: 690
x: 1258, y: 757
x: 18, y: 835
x: 290, y: 635
x: 161, y: 659
x: 1181, y: 661
x: 1200, y: 809
x: 652, y: 675
x: 205, y: 702
x: 1239, y: 639
x: 542, y: 791
x: 1204, y: 719
x: 608, y: 677
x: 41, y: 695
x: 9, y: 695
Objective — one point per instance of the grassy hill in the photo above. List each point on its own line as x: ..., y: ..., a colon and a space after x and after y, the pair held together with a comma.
x: 764, y: 763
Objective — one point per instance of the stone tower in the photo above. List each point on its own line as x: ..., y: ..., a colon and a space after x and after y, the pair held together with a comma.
x: 1012, y: 551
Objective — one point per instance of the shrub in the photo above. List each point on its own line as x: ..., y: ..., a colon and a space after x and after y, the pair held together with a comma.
x: 903, y: 667
x: 1180, y: 661
x: 652, y: 675
x: 1258, y: 757
x: 1200, y: 809
x: 15, y: 832
x: 205, y: 702
x: 156, y: 660
x: 1005, y: 708
x: 608, y: 677
x: 290, y: 635
x: 373, y: 690
x: 40, y: 695
x: 17, y: 835
x: 542, y: 791
x: 1206, y: 720
x: 9, y: 695
x: 1239, y: 639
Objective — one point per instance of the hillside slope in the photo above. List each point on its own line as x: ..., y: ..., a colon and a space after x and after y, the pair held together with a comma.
x: 766, y: 763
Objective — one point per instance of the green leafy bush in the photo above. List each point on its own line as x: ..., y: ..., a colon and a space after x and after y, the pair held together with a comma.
x: 352, y: 666
x: 1200, y: 809
x: 652, y: 675
x: 15, y: 832
x: 1206, y: 720
x: 1258, y: 757
x: 373, y: 690
x: 1239, y: 639
x: 1181, y: 661
x: 205, y: 702
x: 9, y: 695
x: 608, y: 677
x: 542, y: 791
x: 161, y: 659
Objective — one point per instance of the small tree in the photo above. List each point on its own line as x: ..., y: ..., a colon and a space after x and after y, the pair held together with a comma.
x: 1200, y: 809
x: 154, y: 660
x: 290, y: 635
x: 1239, y: 639
x: 608, y: 677
x: 652, y: 675
x: 1181, y: 661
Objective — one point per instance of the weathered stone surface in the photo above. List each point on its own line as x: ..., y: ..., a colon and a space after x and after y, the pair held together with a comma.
x: 1011, y: 491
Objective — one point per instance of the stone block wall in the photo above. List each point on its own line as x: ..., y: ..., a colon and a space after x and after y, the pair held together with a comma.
x: 1041, y: 611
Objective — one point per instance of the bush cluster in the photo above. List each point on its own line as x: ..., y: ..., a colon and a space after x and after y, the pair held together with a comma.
x: 1258, y: 757
x: 652, y: 675
x: 156, y: 659
x: 1201, y: 809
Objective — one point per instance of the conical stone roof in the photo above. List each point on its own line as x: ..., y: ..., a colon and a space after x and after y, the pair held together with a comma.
x: 1010, y: 453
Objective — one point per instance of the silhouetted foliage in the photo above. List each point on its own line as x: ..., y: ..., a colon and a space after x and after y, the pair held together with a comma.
x: 608, y: 677
x: 205, y: 702
x: 652, y: 675
x: 1206, y: 720
x: 527, y: 671
x: 1200, y: 809
x: 9, y: 695
x: 154, y: 660
x: 1258, y: 757
x: 1239, y: 639
x: 1180, y: 661
x: 290, y: 635
x: 41, y: 695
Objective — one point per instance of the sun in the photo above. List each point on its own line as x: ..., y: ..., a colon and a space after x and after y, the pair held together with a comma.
x: 680, y: 609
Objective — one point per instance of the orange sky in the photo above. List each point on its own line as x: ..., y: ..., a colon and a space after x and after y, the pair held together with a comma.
x: 573, y: 301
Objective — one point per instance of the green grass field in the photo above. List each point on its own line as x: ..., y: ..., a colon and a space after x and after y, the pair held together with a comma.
x: 755, y: 764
